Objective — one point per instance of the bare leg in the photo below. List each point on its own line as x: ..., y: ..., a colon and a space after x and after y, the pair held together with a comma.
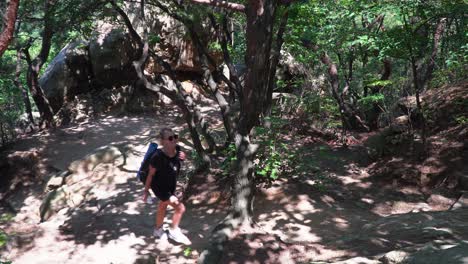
x: 161, y: 213
x: 179, y: 211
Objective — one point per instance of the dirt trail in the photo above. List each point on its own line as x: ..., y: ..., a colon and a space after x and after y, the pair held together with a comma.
x: 315, y: 216
x: 116, y: 227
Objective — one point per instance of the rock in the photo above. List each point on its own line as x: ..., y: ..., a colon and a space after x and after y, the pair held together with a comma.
x: 79, y: 183
x: 61, y: 198
x: 56, y: 180
x: 53, y: 202
x: 111, y: 55
x: 400, y: 124
x: 358, y: 260
x: 448, y: 254
x: 23, y: 123
x: 402, y: 120
x: 394, y: 257
x: 106, y: 154
x: 192, y: 89
x: 67, y: 75
x: 437, y: 200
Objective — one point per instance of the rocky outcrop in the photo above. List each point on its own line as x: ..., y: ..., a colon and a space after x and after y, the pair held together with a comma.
x: 67, y: 75
x: 111, y: 55
x: 69, y: 189
x: 103, y: 62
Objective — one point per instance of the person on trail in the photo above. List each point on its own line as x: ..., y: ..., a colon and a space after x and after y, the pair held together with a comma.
x: 162, y: 178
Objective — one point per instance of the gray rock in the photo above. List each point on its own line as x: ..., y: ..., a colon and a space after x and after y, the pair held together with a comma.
x: 111, y: 55
x: 53, y: 202
x: 79, y: 183
x: 358, y: 260
x: 394, y: 257
x: 67, y: 75
x: 56, y: 180
x: 106, y: 154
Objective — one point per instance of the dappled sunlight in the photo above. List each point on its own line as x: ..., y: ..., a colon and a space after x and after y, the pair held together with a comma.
x: 341, y: 223
x: 335, y: 202
x: 106, y: 217
x: 329, y: 210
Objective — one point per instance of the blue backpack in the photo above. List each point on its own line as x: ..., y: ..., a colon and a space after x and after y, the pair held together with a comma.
x: 144, y: 167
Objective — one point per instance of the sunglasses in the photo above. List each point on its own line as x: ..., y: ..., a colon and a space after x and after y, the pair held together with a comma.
x: 171, y: 138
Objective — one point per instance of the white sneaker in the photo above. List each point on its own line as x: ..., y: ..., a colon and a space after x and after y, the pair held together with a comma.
x: 177, y: 235
x: 160, y: 233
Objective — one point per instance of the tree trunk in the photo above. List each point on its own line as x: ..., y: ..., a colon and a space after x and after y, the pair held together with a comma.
x: 10, y: 19
x: 34, y: 67
x: 349, y: 119
x: 4, y: 141
x: 420, y: 112
x: 27, y: 103
x: 275, y: 60
x: 38, y: 95
x: 260, y: 21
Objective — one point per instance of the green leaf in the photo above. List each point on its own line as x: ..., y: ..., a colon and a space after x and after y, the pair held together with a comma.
x: 187, y: 251
x: 3, y: 238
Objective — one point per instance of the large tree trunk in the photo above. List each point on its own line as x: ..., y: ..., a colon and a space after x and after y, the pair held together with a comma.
x: 10, y: 19
x: 260, y: 21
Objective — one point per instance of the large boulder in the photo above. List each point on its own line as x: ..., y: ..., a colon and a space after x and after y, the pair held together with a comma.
x: 67, y: 75
x: 111, y: 54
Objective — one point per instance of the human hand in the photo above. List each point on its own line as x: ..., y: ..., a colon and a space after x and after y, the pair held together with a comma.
x: 173, y: 199
x: 145, y: 196
x: 182, y: 156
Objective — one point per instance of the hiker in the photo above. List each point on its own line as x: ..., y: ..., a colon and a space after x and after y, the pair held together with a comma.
x: 162, y: 178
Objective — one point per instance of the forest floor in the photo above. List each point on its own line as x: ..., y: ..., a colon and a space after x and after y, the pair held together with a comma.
x: 331, y: 212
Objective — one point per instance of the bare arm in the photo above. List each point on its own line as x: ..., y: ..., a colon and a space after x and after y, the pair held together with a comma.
x: 151, y: 173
